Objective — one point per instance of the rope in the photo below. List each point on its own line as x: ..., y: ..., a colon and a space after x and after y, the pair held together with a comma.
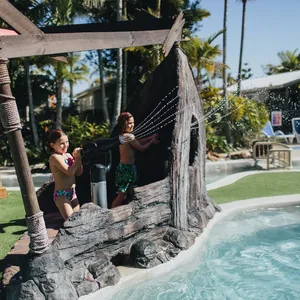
x: 9, y: 114
x: 4, y: 76
x: 39, y: 241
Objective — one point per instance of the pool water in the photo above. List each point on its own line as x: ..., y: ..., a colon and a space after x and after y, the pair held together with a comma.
x: 250, y: 255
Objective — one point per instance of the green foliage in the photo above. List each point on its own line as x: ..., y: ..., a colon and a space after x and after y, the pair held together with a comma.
x: 79, y: 131
x: 247, y: 117
x: 289, y: 61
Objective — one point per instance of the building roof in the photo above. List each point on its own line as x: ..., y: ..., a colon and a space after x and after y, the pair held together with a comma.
x: 87, y: 91
x: 270, y: 82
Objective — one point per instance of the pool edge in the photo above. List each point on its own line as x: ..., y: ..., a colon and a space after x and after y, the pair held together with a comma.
x: 132, y: 276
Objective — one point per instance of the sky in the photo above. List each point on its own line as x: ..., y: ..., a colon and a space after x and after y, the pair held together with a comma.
x: 271, y: 26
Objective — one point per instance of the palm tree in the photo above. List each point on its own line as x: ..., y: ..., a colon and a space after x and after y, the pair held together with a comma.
x: 225, y: 69
x: 118, y: 101
x: 76, y: 72
x: 241, y: 47
x: 61, y: 14
x: 201, y: 54
x: 289, y: 61
x: 31, y: 107
x: 119, y: 77
x: 125, y: 60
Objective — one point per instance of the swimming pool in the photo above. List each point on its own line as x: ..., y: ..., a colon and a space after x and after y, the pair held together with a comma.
x: 249, y: 255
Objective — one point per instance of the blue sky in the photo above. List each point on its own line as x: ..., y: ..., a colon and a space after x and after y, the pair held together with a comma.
x: 271, y: 26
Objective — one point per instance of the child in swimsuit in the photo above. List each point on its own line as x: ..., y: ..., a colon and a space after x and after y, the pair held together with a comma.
x: 126, y: 170
x: 64, y: 168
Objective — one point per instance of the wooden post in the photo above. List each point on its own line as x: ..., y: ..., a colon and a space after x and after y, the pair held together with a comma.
x: 11, y: 122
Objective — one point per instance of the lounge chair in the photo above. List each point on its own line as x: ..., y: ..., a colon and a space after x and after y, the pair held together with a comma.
x: 269, y: 132
x: 296, y: 128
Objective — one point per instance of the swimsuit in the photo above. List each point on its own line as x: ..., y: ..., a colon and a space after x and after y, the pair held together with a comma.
x: 69, y: 193
x: 125, y: 174
x: 125, y: 177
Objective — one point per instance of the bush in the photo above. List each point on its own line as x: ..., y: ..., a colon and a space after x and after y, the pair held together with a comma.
x: 247, y: 117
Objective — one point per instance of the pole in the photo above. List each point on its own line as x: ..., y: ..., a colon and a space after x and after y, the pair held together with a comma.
x: 10, y: 120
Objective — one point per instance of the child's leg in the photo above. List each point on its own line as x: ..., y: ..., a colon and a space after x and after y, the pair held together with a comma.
x: 118, y: 200
x: 75, y: 205
x: 129, y: 196
x: 64, y: 206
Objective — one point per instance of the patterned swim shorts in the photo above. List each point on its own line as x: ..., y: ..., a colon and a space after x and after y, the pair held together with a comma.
x: 125, y: 177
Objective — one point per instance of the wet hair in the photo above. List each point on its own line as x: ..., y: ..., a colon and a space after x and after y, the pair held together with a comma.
x: 122, y: 119
x: 53, y: 136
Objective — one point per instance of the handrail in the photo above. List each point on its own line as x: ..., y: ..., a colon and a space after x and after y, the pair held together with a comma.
x: 276, y: 154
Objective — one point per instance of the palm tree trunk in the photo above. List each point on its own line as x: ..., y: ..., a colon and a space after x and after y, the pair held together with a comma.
x: 31, y: 108
x: 158, y: 7
x: 103, y: 92
x: 118, y: 101
x: 228, y: 134
x: 71, y: 62
x: 124, y: 91
x: 59, y: 81
x: 241, y: 49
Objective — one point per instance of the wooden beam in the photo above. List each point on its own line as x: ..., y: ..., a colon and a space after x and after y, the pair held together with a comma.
x: 174, y: 34
x: 31, y: 45
x: 21, y: 23
x: 131, y: 25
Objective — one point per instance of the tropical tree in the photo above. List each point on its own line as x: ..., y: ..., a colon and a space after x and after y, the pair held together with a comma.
x: 118, y: 100
x: 60, y: 13
x: 31, y: 106
x: 228, y: 137
x: 241, y: 46
x: 77, y: 71
x: 289, y: 61
x: 201, y: 54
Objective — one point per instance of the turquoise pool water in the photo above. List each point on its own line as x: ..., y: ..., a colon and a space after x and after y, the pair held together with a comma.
x: 251, y: 255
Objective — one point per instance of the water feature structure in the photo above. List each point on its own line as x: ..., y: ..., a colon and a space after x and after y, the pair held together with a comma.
x: 169, y: 210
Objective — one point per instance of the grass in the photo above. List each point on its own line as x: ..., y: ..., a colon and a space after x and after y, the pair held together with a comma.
x: 12, y: 223
x: 258, y: 185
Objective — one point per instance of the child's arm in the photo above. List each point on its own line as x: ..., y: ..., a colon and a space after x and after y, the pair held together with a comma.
x: 59, y: 162
x: 75, y: 153
x: 138, y: 146
x: 147, y: 139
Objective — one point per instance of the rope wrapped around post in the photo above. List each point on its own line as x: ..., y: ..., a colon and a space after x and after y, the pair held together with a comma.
x: 39, y: 241
x: 9, y: 115
x: 10, y: 119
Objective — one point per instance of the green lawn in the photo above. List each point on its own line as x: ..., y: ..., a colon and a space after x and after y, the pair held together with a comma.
x: 12, y: 223
x: 258, y: 185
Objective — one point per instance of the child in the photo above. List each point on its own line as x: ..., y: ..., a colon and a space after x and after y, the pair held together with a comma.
x: 126, y: 170
x: 64, y: 168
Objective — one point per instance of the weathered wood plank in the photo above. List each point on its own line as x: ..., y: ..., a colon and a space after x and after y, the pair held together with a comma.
x: 21, y: 23
x: 174, y: 34
x: 16, y: 19
x: 132, y: 25
x: 22, y: 46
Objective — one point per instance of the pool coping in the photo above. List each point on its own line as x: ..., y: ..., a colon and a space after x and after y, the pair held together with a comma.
x: 132, y: 276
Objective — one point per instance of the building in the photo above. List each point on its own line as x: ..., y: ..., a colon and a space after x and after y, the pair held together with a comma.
x: 280, y: 92
x: 89, y: 99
